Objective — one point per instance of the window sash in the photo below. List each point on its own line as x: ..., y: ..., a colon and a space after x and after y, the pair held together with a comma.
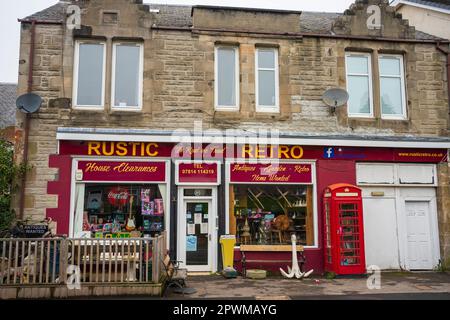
x: 218, y: 79
x: 139, y: 80
x: 265, y: 107
x: 76, y: 76
x: 401, y: 78
x: 367, y: 75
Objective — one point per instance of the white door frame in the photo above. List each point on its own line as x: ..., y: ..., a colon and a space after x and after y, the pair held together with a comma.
x: 415, y: 192
x: 403, y: 194
x: 433, y: 225
x: 213, y: 229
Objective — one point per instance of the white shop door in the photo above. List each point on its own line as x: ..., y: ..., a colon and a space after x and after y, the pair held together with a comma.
x: 419, y: 246
x: 380, y: 231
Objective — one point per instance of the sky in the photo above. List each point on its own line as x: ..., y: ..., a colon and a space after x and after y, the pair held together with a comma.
x: 10, y: 11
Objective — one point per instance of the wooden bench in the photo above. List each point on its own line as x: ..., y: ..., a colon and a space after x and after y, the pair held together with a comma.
x: 270, y: 248
x: 176, y: 276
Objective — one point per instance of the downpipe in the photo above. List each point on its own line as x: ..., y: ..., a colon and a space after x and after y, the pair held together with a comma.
x: 27, y: 120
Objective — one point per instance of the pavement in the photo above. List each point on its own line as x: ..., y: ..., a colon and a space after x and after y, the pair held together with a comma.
x: 393, y: 285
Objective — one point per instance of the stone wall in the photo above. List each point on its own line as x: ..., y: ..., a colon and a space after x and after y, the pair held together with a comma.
x: 47, y: 83
x: 443, y: 203
x: 179, y: 78
x: 245, y: 19
x: 179, y: 87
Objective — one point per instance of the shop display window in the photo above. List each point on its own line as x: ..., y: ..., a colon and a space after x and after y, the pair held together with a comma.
x: 120, y: 210
x: 269, y: 214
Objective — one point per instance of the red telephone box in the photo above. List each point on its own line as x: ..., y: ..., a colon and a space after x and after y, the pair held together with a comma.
x: 344, y: 231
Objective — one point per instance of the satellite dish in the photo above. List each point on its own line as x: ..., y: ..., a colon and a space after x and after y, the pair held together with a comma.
x: 335, y: 97
x: 29, y: 103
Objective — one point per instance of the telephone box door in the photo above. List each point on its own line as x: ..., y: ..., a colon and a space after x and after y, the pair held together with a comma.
x: 344, y: 232
x: 350, y: 245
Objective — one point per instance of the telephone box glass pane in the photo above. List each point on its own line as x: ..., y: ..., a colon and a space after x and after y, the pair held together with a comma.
x: 349, y: 234
x: 328, y: 233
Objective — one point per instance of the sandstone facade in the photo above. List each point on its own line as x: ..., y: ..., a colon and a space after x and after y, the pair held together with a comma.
x: 179, y: 81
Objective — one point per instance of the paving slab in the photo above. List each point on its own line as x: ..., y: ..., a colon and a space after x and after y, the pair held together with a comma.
x: 278, y: 288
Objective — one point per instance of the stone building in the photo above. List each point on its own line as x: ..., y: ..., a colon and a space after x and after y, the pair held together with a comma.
x: 131, y: 81
x: 433, y: 16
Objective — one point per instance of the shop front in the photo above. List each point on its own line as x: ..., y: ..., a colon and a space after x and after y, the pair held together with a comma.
x: 260, y: 194
x: 197, y: 218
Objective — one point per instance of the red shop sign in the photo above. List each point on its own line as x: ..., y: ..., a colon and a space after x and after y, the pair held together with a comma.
x: 198, y: 173
x: 123, y: 171
x: 271, y: 173
x: 118, y: 196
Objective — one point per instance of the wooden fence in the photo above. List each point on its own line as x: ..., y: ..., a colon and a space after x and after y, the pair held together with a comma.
x: 56, y: 261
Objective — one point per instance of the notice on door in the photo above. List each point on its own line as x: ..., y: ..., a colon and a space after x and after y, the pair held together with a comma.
x: 190, y: 228
x: 191, y: 243
x: 198, y: 218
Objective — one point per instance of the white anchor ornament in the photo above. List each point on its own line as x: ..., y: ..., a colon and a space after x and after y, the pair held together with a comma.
x: 295, y: 271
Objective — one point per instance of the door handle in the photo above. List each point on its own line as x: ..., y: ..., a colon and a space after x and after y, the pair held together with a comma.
x: 209, y: 237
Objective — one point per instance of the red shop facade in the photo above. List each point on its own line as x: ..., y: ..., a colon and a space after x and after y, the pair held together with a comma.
x: 196, y: 193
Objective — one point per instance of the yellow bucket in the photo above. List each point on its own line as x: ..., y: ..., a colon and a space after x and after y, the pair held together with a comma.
x: 227, y: 242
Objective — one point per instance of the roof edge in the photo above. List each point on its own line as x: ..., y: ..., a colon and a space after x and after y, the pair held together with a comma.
x: 40, y: 21
x: 399, y: 3
x: 104, y: 134
x: 245, y: 9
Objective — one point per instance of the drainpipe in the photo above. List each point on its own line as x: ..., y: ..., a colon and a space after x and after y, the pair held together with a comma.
x: 446, y: 50
x: 27, y: 120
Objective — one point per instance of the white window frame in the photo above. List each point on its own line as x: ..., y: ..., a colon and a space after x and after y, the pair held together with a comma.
x: 76, y: 65
x: 313, y: 183
x: 74, y: 182
x: 402, y: 116
x: 369, y: 75
x: 141, y: 77
x: 217, y: 106
x: 263, y: 108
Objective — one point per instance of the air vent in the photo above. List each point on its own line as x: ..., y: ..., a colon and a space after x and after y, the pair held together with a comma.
x: 110, y: 17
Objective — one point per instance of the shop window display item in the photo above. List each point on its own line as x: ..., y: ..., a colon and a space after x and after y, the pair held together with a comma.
x: 245, y: 236
x: 269, y: 214
x: 147, y: 204
x: 131, y: 223
x: 159, y: 207
x: 118, y: 196
x: 280, y: 225
x: 94, y: 200
x: 86, y: 224
x: 114, y: 210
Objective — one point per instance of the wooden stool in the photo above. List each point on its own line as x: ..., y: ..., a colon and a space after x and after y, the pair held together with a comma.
x: 276, y: 232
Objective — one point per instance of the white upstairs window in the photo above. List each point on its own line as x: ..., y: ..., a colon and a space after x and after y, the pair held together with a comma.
x: 127, y: 76
x: 392, y: 87
x: 359, y: 84
x: 267, y: 91
x: 226, y: 89
x: 89, y: 75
